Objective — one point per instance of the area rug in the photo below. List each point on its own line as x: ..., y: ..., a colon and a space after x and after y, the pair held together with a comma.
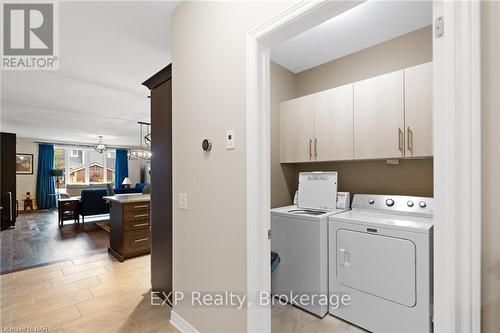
x: 103, y: 224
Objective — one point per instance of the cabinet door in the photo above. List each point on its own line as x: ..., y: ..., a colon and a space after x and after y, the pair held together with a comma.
x: 333, y: 118
x: 297, y: 130
x: 418, y: 110
x: 379, y: 117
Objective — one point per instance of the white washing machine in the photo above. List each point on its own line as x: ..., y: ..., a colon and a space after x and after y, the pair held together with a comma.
x: 380, y: 255
x: 299, y: 234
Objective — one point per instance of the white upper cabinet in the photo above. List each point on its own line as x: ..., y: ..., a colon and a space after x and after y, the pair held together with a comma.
x: 333, y: 121
x: 297, y: 129
x: 418, y: 110
x: 388, y: 116
x: 379, y: 117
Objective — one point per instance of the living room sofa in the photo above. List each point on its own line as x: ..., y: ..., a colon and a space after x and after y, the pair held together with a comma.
x: 74, y: 190
x: 137, y: 189
x: 92, y: 203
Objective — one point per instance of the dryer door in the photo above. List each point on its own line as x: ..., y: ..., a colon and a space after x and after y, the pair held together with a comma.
x: 382, y: 266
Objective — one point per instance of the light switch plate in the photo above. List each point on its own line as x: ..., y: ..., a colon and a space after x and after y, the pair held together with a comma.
x: 183, y: 201
x: 230, y: 139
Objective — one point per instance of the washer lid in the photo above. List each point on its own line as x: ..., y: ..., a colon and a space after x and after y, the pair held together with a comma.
x: 299, y: 214
x: 317, y: 190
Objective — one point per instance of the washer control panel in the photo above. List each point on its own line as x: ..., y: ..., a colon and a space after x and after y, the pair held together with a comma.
x: 394, y: 203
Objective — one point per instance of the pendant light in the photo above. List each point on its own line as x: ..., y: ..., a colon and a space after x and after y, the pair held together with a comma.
x: 144, y: 152
x: 100, y: 147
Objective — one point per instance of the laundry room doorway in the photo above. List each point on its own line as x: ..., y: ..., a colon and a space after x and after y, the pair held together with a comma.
x: 454, y: 173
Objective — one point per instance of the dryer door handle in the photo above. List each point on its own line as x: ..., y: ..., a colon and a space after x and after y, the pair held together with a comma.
x: 344, y: 257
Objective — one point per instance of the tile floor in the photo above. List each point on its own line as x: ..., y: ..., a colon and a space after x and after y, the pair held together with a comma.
x: 91, y: 294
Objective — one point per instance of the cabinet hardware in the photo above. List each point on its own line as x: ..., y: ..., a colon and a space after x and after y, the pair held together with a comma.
x: 401, y: 140
x: 141, y: 240
x: 140, y: 224
x: 10, y: 206
x: 310, y: 149
x: 315, y: 148
x: 410, y: 140
x: 140, y: 206
x: 141, y: 215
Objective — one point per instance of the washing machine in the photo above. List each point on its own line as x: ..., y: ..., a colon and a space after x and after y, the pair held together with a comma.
x: 380, y: 255
x: 299, y: 234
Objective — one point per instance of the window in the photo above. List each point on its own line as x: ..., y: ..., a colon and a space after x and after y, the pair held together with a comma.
x: 111, y: 157
x: 84, y: 166
x: 96, y: 167
x: 77, y: 166
x: 60, y: 164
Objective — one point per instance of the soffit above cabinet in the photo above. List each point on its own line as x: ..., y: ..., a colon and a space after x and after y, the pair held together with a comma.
x: 364, y: 26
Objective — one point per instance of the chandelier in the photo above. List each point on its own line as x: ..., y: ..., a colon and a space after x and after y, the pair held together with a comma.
x: 144, y: 152
x: 100, y: 147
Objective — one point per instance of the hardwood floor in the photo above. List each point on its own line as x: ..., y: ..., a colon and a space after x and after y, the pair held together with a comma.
x: 91, y: 294
x: 38, y: 240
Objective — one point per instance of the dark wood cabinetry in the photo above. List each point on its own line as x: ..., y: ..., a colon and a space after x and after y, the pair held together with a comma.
x: 8, y: 180
x: 130, y: 224
x: 160, y: 85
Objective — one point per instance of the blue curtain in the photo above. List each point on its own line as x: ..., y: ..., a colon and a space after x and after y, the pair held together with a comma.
x: 121, y: 167
x: 45, y: 183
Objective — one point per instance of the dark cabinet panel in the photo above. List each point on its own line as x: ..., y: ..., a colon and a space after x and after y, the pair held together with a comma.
x: 8, y: 179
x: 161, y: 180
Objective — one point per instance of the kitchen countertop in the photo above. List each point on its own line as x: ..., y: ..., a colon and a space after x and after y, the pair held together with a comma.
x: 128, y: 198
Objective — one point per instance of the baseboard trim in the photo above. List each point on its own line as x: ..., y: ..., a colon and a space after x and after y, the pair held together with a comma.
x: 181, y: 324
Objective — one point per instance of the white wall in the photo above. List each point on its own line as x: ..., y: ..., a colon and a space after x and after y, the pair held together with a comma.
x: 491, y: 165
x: 209, y: 97
x: 27, y: 183
x: 283, y: 86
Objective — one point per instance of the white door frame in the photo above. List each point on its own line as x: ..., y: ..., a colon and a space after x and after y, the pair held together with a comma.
x: 457, y: 160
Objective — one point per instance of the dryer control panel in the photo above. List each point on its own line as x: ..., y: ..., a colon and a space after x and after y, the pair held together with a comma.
x: 420, y: 206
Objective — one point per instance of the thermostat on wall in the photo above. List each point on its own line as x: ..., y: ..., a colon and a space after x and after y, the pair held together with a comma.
x: 230, y: 139
x: 206, y: 145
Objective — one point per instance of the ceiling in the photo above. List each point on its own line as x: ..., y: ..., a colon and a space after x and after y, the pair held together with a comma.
x: 107, y: 49
x: 368, y: 24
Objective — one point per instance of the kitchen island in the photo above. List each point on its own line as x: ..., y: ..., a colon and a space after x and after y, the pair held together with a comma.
x: 129, y: 226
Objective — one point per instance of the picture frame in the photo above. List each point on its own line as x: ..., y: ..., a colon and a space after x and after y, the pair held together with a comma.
x: 24, y: 164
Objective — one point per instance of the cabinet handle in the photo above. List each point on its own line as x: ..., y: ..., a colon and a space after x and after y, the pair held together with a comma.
x: 141, y: 215
x: 315, y: 148
x: 141, y: 206
x: 141, y: 240
x: 10, y: 206
x: 310, y: 149
x: 410, y: 140
x: 140, y: 224
x: 401, y: 140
